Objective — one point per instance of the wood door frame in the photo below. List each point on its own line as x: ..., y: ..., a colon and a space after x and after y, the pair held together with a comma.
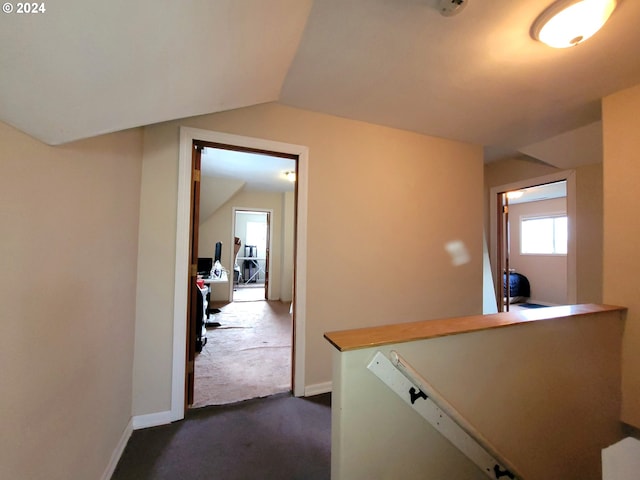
x: 269, y: 213
x: 570, y: 177
x: 187, y: 136
x: 502, y: 252
x: 192, y: 298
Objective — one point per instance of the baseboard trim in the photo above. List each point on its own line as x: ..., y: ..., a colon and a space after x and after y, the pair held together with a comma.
x: 117, y: 452
x: 151, y: 420
x: 317, y: 389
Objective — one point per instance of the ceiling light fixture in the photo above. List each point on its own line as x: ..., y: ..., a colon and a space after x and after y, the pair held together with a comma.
x: 291, y: 176
x: 567, y: 23
x: 514, y: 194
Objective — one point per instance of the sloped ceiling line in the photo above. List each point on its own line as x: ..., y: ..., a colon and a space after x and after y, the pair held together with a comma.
x: 86, y: 68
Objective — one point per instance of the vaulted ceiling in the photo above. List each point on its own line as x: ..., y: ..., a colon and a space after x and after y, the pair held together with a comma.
x: 83, y: 68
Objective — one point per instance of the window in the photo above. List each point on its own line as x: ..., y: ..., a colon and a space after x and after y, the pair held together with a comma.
x: 257, y: 235
x: 543, y: 235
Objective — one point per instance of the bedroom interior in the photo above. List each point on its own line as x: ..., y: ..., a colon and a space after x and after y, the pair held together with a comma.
x: 247, y: 356
x: 247, y: 338
x: 535, y: 246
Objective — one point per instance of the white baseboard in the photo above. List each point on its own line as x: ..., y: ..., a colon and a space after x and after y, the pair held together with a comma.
x: 151, y: 420
x: 317, y: 389
x: 117, y: 452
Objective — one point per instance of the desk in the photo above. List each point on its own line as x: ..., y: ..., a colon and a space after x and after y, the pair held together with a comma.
x: 224, y: 292
x: 222, y: 279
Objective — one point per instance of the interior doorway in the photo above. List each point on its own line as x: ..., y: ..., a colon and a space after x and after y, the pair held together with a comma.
x: 182, y: 267
x: 527, y: 213
x: 247, y: 350
x: 252, y: 234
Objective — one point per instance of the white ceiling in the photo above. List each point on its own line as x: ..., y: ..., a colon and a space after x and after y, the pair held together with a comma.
x: 255, y: 171
x: 85, y: 68
x: 537, y: 193
x: 582, y: 146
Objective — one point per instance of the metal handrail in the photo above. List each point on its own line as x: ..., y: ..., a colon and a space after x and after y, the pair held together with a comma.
x: 441, y: 415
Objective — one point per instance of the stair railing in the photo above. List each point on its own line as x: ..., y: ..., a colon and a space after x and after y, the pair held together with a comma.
x: 420, y: 395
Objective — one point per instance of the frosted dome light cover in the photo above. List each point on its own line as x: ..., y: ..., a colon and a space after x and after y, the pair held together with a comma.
x: 566, y: 24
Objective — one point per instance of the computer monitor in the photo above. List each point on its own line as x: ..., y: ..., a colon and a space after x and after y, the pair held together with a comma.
x: 205, y: 264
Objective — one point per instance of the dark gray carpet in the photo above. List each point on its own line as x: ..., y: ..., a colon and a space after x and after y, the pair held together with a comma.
x: 279, y: 437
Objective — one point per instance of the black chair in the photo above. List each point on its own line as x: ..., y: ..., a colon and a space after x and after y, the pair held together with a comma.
x: 201, y: 340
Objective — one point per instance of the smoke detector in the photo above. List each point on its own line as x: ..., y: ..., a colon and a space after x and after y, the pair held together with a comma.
x: 449, y: 8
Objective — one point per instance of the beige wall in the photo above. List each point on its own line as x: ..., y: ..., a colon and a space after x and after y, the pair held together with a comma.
x: 382, y: 204
x: 69, y: 219
x: 218, y: 228
x: 504, y: 172
x: 156, y: 267
x: 588, y: 228
x: 547, y: 274
x: 510, y: 170
x: 550, y: 410
x: 621, y: 134
x: 288, y: 238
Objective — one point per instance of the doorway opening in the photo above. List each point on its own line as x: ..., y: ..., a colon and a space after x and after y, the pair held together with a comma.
x: 246, y: 349
x: 252, y: 234
x: 533, y: 242
x: 182, y: 266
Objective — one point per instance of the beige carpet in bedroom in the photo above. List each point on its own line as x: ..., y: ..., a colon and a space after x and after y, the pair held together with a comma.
x: 248, y: 356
